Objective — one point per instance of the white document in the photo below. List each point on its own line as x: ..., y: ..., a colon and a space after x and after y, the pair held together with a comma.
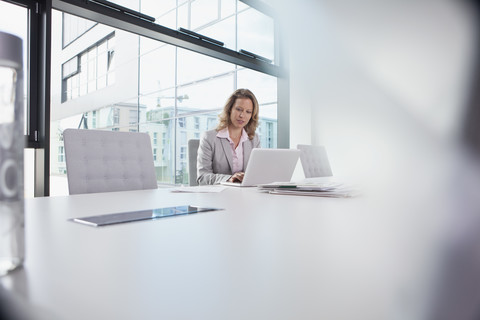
x: 200, y: 189
x: 310, y: 188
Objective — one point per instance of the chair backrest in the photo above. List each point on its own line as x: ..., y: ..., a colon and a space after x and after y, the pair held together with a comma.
x: 192, y: 161
x: 103, y: 161
x: 314, y: 161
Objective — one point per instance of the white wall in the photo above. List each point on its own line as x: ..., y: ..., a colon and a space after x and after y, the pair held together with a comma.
x: 384, y: 86
x: 371, y: 80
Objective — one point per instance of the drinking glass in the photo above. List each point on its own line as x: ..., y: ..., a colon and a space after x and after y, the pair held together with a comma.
x: 12, y: 229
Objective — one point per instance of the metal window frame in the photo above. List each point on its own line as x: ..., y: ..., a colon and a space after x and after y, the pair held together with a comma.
x: 120, y: 20
x: 38, y: 109
x: 64, y: 45
x: 78, y: 56
x: 33, y: 47
x: 38, y: 79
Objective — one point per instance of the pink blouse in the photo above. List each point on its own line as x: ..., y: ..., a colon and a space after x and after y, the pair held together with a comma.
x: 237, y: 154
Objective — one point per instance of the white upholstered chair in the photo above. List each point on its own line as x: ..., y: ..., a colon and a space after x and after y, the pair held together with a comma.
x: 314, y: 161
x: 193, y: 145
x: 104, y: 161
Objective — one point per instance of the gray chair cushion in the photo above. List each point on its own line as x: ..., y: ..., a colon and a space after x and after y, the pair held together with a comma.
x: 192, y: 161
x: 314, y: 161
x: 103, y: 161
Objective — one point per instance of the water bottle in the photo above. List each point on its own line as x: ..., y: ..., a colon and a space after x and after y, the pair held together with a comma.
x: 12, y: 229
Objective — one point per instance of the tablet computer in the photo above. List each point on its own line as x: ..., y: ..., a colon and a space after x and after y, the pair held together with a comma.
x: 151, y: 214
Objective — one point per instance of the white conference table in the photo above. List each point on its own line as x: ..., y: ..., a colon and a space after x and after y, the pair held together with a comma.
x: 262, y: 257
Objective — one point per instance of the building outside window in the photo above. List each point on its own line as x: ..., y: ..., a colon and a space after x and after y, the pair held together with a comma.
x: 90, y: 70
x: 128, y: 82
x: 183, y: 138
x: 61, y: 154
x: 116, y: 116
x: 133, y: 117
x: 181, y: 122
x: 94, y: 119
x: 74, y: 27
x: 211, y: 123
x: 183, y: 153
x: 61, y: 161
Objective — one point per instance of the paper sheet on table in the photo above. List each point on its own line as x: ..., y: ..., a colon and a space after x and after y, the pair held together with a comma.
x: 325, y: 188
x: 199, y: 189
x: 327, y: 194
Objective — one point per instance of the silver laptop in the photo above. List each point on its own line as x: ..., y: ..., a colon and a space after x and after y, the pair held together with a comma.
x: 267, y: 166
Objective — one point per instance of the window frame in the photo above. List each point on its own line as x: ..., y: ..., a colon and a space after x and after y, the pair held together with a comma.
x: 38, y: 108
x: 33, y: 71
x: 128, y: 22
x: 37, y: 72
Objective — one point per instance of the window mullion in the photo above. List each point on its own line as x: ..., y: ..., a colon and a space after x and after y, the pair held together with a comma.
x: 126, y: 22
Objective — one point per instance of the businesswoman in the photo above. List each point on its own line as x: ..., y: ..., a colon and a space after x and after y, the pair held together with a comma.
x: 223, y: 152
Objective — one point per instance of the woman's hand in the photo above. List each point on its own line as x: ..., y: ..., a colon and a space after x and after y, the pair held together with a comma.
x: 237, y: 177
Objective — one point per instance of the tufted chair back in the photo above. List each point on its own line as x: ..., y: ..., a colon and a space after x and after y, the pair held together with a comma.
x: 314, y: 161
x: 104, y: 161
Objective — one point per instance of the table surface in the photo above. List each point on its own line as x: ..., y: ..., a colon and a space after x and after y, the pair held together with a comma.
x: 263, y: 257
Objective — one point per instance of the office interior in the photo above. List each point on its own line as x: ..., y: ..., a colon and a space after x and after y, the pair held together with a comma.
x: 387, y: 74
x: 390, y: 88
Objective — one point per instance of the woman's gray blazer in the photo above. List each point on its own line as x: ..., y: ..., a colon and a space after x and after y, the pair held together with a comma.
x: 215, y: 159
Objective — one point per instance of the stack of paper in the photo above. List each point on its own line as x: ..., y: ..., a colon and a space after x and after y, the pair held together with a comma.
x: 199, y: 189
x: 330, y: 189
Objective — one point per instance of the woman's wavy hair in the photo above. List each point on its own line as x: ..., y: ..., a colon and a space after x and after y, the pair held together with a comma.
x: 224, y: 117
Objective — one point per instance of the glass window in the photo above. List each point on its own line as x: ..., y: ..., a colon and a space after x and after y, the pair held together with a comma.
x: 115, y: 80
x: 265, y: 89
x: 157, y: 8
x: 157, y: 67
x: 89, y: 71
x: 250, y: 21
x: 74, y: 27
x: 61, y: 154
x: 133, y: 117
x: 211, y: 123
x: 165, y: 152
x: 183, y: 12
x: 228, y: 7
x: 94, y: 119
x: 215, y: 19
x: 115, y: 116
x: 194, y: 67
x: 206, y: 95
x: 181, y: 122
x: 183, y: 138
x: 183, y: 153
x: 203, y: 12
x: 223, y: 30
x: 70, y: 68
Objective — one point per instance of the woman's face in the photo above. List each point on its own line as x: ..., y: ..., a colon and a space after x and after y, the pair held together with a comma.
x: 241, y: 113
